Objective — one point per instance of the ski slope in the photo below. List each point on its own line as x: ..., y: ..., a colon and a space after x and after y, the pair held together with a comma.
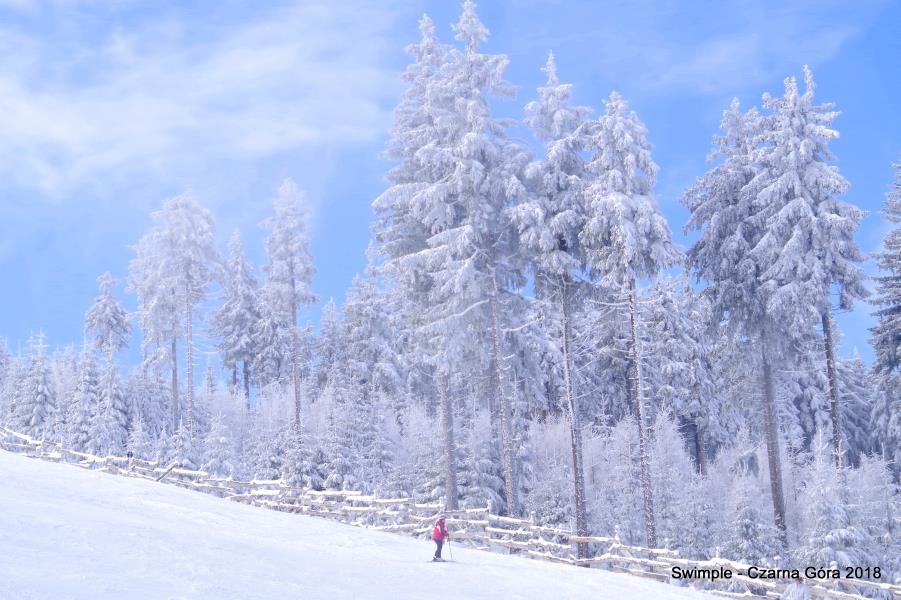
x: 71, y: 534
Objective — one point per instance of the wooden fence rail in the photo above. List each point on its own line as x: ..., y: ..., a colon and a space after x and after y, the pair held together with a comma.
x: 477, y: 527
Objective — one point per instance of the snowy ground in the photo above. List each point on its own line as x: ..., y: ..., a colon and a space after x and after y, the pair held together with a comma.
x: 69, y: 534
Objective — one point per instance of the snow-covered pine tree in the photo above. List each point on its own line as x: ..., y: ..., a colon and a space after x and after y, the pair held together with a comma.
x: 269, y: 445
x: 109, y: 424
x: 217, y: 449
x: 36, y: 405
x: 625, y: 238
x: 300, y: 465
x: 425, y: 468
x: 138, y: 441
x: 330, y: 346
x: 672, y: 476
x: 339, y: 469
x: 163, y: 449
x: 808, y: 243
x: 803, y: 394
x: 84, y: 404
x: 183, y: 450
x: 176, y: 262
x: 731, y: 223
x: 289, y: 271
x: 694, y: 533
x: 272, y: 341
x: 493, y: 170
x: 680, y: 378
x: 482, y: 465
x: 376, y: 463
x: 856, y: 402
x: 107, y: 320
x: 750, y: 534
x: 886, y: 334
x: 399, y: 230
x: 549, y: 221
x: 63, y: 381
x: 745, y: 528
x: 736, y: 369
x: 13, y: 392
x: 150, y: 398
x: 370, y: 341
x: 6, y: 364
x: 830, y: 528
x: 404, y: 224
x: 470, y: 250
x: 550, y: 502
x: 613, y: 465
x: 235, y: 322
x: 877, y: 499
x: 158, y: 313
x: 206, y: 405
x: 373, y: 370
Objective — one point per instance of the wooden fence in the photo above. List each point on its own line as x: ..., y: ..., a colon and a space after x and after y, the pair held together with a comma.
x: 476, y: 527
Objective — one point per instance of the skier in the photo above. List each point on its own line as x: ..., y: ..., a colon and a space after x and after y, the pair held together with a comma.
x: 439, y: 534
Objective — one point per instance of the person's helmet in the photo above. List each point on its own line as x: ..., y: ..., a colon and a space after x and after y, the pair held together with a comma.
x: 441, y: 516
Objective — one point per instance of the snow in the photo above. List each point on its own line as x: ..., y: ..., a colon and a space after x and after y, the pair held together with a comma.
x: 75, y: 534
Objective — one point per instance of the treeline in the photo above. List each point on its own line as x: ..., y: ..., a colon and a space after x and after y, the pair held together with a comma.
x: 527, y: 335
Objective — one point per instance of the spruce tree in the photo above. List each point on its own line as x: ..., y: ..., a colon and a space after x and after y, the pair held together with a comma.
x: 272, y: 341
x: 831, y: 533
x: 84, y: 404
x: 856, y: 401
x: 138, y: 441
x: 330, y: 345
x: 550, y: 221
x: 176, y: 262
x: 679, y: 353
x: 107, y: 320
x: 183, y: 450
x: 808, y: 243
x: 625, y: 238
x: 217, y: 450
x: 402, y: 231
x: 289, y: 273
x: 36, y: 404
x: 732, y: 225
x: 886, y: 334
x: 235, y: 322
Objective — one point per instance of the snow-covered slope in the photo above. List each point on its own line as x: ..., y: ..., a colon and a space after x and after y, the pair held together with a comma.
x: 69, y: 534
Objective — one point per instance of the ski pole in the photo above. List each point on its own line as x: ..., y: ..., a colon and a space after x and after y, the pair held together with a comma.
x: 450, y: 549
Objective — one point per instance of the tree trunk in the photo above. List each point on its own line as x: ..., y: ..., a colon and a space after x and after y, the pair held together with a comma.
x: 699, y: 448
x: 833, y: 390
x: 295, y: 350
x: 504, y: 406
x: 772, y: 448
x: 109, y: 378
x: 246, y: 365
x: 189, y: 367
x: 296, y: 376
x: 575, y: 425
x: 649, y: 518
x: 175, y: 411
x: 235, y: 378
x: 450, y: 461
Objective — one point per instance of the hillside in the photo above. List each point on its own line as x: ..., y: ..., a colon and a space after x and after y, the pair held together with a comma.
x: 72, y: 534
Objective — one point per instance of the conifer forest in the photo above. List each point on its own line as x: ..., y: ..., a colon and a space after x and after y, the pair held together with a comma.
x: 527, y: 334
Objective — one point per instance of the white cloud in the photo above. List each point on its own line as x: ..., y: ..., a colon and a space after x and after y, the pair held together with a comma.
x: 84, y: 101
x: 688, y: 48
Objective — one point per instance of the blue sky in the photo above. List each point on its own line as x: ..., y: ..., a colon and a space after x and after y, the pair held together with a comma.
x: 108, y: 108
